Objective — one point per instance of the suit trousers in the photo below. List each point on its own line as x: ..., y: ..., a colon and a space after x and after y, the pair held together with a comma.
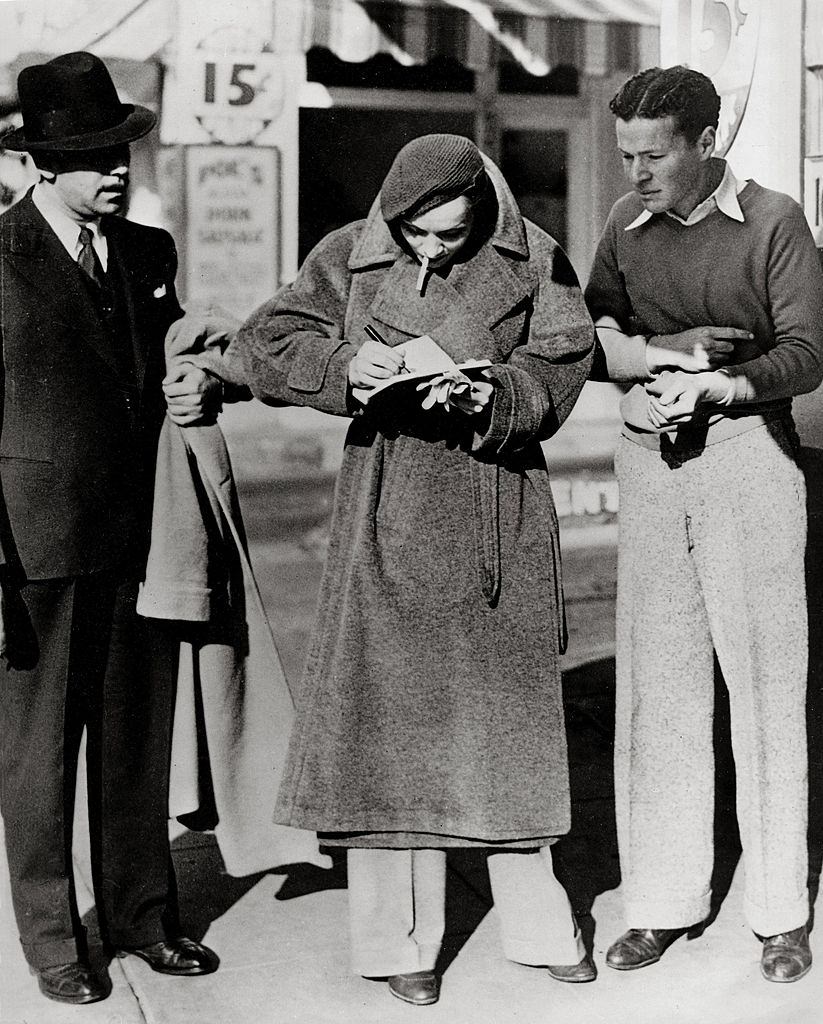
x: 397, y: 901
x: 95, y: 664
x: 711, y: 560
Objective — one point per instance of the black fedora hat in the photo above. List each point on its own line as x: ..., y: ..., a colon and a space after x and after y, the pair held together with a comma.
x: 70, y: 103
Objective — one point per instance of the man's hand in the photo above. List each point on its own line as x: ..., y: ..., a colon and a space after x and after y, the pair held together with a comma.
x: 373, y: 364
x: 675, y: 396
x: 695, y: 350
x: 193, y: 397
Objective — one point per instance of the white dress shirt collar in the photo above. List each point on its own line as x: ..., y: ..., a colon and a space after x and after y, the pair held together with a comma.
x: 724, y: 198
x: 66, y: 229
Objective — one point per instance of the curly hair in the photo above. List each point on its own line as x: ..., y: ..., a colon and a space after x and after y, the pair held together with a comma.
x: 679, y: 92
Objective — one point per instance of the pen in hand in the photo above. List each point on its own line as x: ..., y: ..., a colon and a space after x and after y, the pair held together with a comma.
x: 375, y: 335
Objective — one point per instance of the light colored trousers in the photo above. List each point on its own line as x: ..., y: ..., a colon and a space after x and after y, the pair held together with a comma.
x: 397, y: 901
x: 711, y: 558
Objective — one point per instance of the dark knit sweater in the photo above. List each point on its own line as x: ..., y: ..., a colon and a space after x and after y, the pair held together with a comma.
x: 762, y: 276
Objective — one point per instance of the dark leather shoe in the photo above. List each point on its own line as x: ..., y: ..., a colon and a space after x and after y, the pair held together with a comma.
x: 639, y: 947
x: 786, y: 957
x: 72, y: 983
x: 420, y: 988
x: 181, y: 957
x: 575, y: 973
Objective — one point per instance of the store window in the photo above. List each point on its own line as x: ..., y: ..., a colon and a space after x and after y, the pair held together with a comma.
x: 533, y: 162
x: 344, y: 155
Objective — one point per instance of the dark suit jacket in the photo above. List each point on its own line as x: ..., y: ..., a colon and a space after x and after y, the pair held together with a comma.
x: 79, y: 432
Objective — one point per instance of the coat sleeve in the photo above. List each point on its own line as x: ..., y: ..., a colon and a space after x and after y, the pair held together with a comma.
x: 537, y: 386
x: 293, y: 347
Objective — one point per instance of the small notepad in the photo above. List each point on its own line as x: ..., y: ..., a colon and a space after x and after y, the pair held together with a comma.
x: 423, y: 358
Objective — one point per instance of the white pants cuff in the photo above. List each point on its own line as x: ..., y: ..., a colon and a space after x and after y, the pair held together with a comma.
x: 647, y: 913
x: 383, y: 963
x: 772, y: 921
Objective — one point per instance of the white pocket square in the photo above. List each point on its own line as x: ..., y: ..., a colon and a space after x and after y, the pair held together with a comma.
x: 159, y: 291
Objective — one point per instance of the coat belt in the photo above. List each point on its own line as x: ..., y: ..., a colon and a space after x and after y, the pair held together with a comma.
x: 485, y: 480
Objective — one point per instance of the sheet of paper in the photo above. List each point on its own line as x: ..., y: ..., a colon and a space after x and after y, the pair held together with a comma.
x: 424, y: 355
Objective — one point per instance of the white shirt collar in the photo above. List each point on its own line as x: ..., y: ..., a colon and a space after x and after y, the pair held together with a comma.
x: 66, y: 229
x: 724, y: 198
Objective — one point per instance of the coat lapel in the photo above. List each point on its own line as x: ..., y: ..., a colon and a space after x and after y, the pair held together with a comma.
x: 459, y: 310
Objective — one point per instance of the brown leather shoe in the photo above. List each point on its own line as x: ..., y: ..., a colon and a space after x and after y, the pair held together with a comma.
x: 786, y: 957
x: 180, y: 957
x: 577, y: 974
x: 639, y: 947
x: 420, y: 988
x: 72, y: 983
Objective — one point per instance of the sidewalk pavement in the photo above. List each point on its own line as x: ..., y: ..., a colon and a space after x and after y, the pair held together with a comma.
x: 283, y: 939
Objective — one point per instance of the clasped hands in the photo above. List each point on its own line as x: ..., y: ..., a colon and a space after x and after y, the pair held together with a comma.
x: 685, y: 375
x: 373, y: 363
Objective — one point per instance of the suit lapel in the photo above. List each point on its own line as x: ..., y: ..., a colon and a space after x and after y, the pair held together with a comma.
x: 126, y: 261
x: 53, y: 278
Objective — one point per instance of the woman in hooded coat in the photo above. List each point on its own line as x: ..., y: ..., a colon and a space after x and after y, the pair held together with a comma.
x: 430, y: 714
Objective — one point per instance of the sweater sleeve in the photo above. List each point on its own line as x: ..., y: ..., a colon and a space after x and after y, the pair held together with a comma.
x: 620, y: 354
x: 293, y: 347
x: 794, y: 281
x: 537, y: 386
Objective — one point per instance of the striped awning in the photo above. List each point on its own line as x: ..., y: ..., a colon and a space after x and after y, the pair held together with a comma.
x: 595, y: 36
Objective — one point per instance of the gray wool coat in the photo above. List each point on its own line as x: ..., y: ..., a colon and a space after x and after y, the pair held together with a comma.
x: 431, y: 710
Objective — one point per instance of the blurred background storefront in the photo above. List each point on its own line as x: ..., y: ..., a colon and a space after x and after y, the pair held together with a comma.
x: 330, y: 89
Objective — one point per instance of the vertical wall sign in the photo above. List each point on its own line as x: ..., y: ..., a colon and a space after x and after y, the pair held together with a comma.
x: 719, y: 38
x: 229, y: 84
x: 232, y: 226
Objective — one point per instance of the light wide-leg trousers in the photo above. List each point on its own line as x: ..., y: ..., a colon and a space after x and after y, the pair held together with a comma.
x: 397, y: 902
x: 711, y: 559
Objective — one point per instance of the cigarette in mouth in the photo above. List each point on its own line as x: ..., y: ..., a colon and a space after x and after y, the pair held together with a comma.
x: 421, y: 277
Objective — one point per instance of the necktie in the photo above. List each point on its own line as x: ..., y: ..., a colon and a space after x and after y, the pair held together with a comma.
x: 88, y: 260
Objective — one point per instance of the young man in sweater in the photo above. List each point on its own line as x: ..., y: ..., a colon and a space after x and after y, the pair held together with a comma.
x: 708, y: 297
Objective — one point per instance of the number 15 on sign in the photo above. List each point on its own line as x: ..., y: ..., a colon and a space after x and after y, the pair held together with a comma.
x: 251, y: 84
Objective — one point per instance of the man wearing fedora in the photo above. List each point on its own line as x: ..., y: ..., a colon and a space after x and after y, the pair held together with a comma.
x: 86, y: 298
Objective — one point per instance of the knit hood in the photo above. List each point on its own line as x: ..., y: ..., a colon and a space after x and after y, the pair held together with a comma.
x: 376, y: 244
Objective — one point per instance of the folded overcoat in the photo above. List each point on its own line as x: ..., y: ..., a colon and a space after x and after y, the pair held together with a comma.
x: 233, y: 709
x: 430, y: 712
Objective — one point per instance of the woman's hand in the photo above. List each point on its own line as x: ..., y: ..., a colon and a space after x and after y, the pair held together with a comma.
x: 373, y: 364
x: 475, y: 401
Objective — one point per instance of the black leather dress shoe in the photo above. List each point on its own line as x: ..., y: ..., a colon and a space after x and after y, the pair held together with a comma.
x: 786, y: 957
x: 420, y: 988
x: 576, y: 974
x: 639, y: 947
x: 72, y: 983
x: 181, y: 957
